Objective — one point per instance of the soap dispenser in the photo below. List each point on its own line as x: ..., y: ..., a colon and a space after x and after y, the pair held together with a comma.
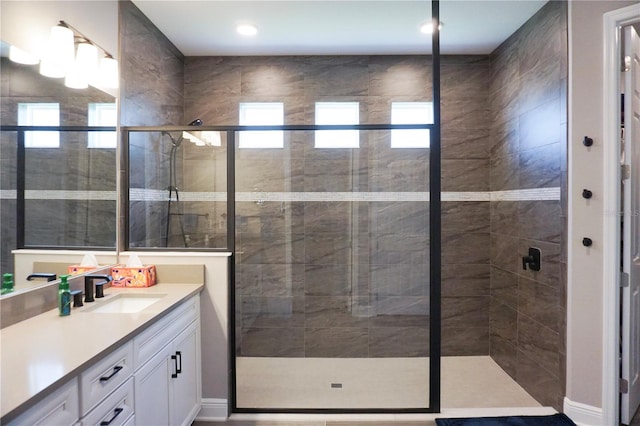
x: 64, y: 296
x: 7, y: 284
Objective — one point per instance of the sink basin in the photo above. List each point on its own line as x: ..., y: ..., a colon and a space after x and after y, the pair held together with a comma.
x: 125, y: 303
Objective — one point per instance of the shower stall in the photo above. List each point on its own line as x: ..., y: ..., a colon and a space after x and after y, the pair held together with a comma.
x: 358, y: 280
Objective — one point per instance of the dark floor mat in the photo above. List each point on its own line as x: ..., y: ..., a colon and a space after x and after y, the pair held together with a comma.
x: 553, y: 420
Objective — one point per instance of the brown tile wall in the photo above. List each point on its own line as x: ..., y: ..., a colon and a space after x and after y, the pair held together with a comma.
x: 152, y: 94
x: 528, y: 110
x: 309, y: 285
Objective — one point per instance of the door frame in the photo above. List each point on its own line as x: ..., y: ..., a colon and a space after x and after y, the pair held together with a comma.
x: 612, y: 23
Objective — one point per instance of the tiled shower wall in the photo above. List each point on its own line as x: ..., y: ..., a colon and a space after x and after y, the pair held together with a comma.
x: 75, y: 182
x: 306, y: 305
x: 528, y: 93
x: 151, y: 95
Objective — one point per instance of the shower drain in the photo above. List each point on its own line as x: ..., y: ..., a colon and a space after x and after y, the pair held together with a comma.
x: 336, y: 385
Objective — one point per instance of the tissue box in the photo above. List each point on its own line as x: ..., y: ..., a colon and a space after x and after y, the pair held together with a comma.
x: 143, y: 276
x: 78, y: 269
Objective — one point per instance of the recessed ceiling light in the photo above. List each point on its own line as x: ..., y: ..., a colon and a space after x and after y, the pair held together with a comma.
x: 247, y: 29
x: 427, y: 27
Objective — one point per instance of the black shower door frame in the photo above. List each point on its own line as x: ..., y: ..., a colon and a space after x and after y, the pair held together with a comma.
x: 435, y: 236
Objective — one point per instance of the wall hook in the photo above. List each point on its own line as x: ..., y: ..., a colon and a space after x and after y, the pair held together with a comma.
x: 587, y: 194
x: 587, y: 242
x: 587, y: 141
x: 532, y: 260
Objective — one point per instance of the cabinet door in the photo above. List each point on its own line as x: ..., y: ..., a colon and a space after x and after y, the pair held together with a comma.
x: 152, y: 390
x: 186, y: 387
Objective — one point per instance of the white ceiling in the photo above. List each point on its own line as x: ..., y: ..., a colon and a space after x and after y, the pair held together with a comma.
x: 335, y: 27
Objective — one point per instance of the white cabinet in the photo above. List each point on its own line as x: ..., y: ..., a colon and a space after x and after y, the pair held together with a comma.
x: 185, y: 385
x: 61, y: 408
x: 168, y: 386
x: 152, y: 395
x: 152, y: 379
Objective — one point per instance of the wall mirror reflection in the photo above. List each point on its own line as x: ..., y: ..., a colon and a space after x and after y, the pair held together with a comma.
x: 69, y: 176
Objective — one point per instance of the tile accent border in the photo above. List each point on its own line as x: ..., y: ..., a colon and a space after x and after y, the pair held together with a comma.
x: 139, y: 194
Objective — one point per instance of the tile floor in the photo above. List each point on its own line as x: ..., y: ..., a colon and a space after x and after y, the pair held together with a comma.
x: 374, y: 383
x: 464, y: 390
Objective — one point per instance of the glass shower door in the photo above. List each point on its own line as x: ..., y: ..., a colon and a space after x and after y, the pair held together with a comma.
x: 332, y: 286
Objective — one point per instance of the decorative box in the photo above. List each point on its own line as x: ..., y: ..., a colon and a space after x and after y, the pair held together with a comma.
x: 143, y: 276
x: 77, y: 269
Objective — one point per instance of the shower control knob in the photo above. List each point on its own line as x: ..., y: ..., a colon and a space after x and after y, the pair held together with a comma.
x: 587, y: 194
x: 587, y: 242
x: 587, y: 141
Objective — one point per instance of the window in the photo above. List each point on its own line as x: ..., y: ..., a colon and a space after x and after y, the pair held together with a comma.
x: 411, y: 113
x: 102, y: 115
x: 40, y: 114
x: 337, y: 113
x: 262, y: 114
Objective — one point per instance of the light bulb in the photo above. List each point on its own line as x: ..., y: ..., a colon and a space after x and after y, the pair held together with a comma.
x: 51, y: 69
x: 108, y: 73
x: 87, y: 59
x: 19, y: 56
x: 59, y: 54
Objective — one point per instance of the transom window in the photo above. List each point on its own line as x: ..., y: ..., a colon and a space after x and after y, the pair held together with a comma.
x: 337, y: 113
x: 102, y: 114
x: 411, y: 113
x: 40, y: 114
x: 261, y: 114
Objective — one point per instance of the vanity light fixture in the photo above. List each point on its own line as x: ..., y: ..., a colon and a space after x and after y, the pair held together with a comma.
x: 247, y: 30
x: 79, y: 67
x: 19, y: 56
x: 427, y: 27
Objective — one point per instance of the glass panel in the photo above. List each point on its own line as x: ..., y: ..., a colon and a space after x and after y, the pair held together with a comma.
x: 70, y: 194
x: 8, y: 160
x: 332, y: 275
x: 177, y: 189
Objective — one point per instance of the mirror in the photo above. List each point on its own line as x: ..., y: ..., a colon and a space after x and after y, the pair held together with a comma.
x: 70, y: 177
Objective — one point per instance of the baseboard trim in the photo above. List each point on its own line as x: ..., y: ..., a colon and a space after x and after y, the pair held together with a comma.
x: 583, y: 414
x: 213, y: 410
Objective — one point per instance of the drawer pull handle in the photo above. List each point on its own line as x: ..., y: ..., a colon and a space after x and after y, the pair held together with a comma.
x: 116, y: 413
x: 116, y: 369
x: 179, y: 355
x: 175, y: 364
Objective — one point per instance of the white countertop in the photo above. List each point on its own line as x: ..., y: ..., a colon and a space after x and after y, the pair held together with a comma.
x: 49, y: 349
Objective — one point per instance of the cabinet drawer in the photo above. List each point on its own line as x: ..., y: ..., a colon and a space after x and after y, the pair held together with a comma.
x: 115, y: 410
x: 62, y: 407
x: 153, y: 339
x: 105, y: 376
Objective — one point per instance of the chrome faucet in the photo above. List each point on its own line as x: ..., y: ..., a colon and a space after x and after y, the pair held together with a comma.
x: 88, y: 286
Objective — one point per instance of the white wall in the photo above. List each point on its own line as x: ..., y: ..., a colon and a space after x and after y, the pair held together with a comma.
x: 586, y: 218
x: 214, y: 312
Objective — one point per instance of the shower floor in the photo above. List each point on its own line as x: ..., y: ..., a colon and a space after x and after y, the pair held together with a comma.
x: 467, y: 382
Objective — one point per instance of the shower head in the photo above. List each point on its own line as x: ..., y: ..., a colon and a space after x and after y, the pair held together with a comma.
x: 176, y: 142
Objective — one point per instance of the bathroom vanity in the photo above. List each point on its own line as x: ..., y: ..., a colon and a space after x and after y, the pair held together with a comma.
x: 130, y: 358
